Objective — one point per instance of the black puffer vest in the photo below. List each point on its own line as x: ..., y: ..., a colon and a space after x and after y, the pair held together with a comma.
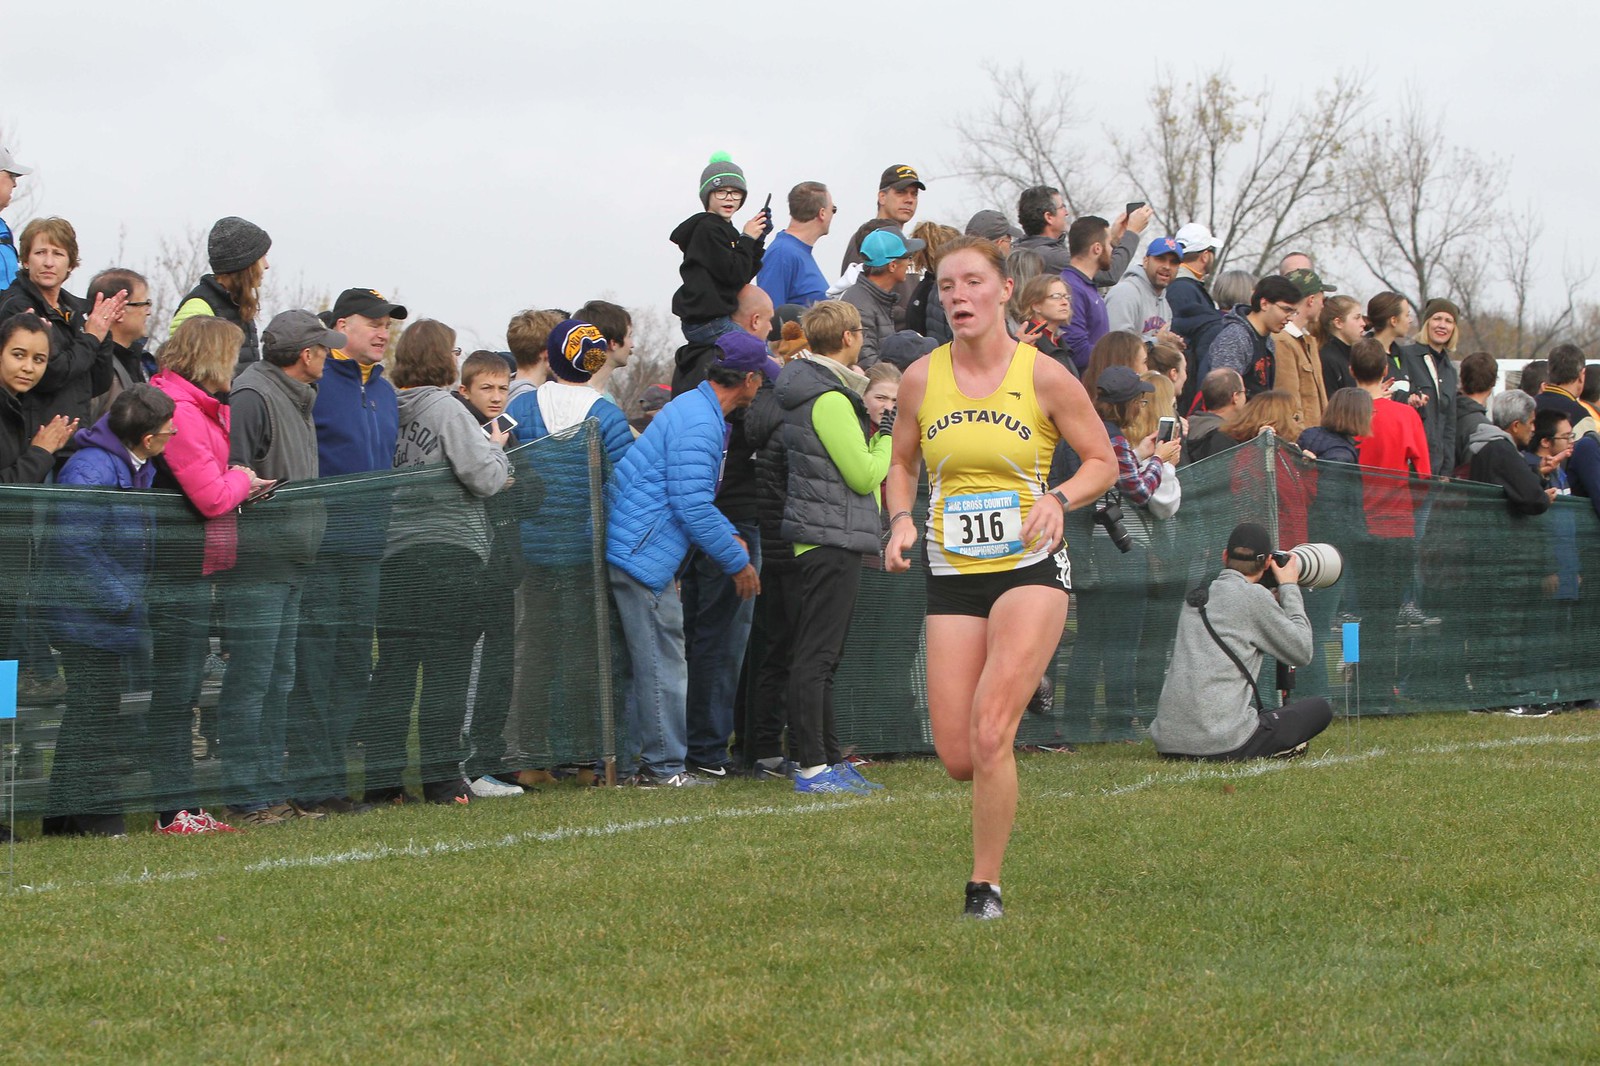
x: 820, y: 508
x: 222, y: 305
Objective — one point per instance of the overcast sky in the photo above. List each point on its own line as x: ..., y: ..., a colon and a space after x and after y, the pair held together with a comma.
x: 472, y: 159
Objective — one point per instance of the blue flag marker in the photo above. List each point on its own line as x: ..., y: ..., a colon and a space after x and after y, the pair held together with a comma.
x: 1352, y: 642
x: 8, y: 688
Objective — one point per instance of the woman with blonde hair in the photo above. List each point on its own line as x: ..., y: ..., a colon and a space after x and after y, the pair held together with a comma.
x: 237, y: 253
x: 196, y: 371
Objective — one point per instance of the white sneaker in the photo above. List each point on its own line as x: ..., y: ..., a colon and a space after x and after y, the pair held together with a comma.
x: 487, y: 787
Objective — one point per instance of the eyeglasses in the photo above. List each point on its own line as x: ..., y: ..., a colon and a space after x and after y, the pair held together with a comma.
x: 1564, y: 436
x: 165, y: 434
x: 726, y: 194
x: 140, y: 303
x: 1058, y: 296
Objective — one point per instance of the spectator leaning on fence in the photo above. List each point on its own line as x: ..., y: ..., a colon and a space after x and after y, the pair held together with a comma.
x: 273, y: 433
x: 434, y: 569
x: 831, y: 515
x: 101, y: 554
x: 661, y: 503
x: 1495, y: 455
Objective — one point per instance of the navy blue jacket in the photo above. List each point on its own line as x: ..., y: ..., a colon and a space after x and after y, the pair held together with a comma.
x: 357, y: 422
x: 664, y: 496
x: 102, y: 549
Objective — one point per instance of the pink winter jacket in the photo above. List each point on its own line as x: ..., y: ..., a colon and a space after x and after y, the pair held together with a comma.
x: 197, y: 456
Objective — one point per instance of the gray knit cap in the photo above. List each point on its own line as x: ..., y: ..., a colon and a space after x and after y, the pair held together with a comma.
x: 234, y: 244
x: 721, y: 173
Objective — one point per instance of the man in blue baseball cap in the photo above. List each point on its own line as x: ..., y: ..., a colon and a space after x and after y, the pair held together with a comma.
x: 1138, y: 303
x: 886, y: 259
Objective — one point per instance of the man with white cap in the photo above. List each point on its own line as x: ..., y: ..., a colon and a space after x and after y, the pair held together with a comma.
x: 10, y: 171
x: 1195, y: 316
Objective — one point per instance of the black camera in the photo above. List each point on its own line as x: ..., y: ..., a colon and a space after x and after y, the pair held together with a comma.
x: 1321, y: 565
x: 1108, y: 514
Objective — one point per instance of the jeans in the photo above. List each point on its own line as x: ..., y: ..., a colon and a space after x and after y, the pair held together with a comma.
x: 333, y: 659
x: 716, y: 624
x: 707, y: 332
x: 261, y: 620
x: 657, y: 675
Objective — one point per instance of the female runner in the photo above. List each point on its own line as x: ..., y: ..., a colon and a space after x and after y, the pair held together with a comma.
x: 988, y: 414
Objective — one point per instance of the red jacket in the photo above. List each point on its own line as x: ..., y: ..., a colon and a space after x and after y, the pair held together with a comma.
x: 1397, y: 443
x: 197, y: 457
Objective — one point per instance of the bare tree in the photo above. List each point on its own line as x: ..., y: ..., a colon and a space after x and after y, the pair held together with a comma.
x: 1027, y: 136
x: 1264, y: 179
x: 655, y: 344
x: 1534, y: 332
x: 179, y: 263
x: 1423, y: 207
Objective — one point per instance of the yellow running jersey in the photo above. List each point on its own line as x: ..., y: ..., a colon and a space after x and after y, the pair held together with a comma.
x: 988, y: 460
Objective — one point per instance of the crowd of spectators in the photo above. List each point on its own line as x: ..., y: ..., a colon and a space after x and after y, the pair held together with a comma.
x: 756, y: 470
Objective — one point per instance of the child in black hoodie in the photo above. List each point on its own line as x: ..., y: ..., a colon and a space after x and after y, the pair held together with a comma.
x: 718, y: 260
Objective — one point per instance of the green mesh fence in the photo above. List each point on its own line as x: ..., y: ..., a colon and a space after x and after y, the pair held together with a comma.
x: 150, y: 684
x: 277, y: 653
x: 1500, y: 593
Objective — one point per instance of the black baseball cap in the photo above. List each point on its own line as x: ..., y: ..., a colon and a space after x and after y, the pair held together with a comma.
x: 900, y: 176
x: 369, y: 303
x: 1248, y: 542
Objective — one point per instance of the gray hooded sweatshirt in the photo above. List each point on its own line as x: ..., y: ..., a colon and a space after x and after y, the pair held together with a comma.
x: 1205, y: 706
x: 1134, y: 306
x: 436, y: 429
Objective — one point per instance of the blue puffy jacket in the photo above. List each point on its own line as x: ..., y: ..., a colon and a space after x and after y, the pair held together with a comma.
x: 664, y: 496
x: 101, y: 549
x: 547, y: 539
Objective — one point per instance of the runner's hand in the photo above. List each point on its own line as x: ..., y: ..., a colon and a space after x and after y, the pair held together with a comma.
x: 897, y: 553
x: 1047, y: 522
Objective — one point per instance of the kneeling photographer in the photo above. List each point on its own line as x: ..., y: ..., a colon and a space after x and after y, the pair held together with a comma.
x: 1210, y: 707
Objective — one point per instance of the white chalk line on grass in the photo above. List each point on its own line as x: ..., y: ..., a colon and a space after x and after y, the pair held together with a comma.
x: 1262, y: 767
x: 413, y: 850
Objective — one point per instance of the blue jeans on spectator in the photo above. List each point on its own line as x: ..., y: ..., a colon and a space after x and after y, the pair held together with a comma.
x: 333, y: 659
x: 716, y: 625
x: 708, y: 331
x: 657, y: 675
x: 261, y: 619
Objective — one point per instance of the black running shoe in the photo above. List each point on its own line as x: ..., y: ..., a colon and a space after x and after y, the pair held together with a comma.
x: 983, y: 901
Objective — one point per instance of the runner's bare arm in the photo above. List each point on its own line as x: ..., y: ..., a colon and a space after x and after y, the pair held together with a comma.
x: 905, y: 468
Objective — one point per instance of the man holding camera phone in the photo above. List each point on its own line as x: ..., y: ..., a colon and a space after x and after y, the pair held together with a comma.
x: 1210, y: 708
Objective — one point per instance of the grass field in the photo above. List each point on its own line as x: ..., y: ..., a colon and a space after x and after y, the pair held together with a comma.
x: 1420, y: 890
